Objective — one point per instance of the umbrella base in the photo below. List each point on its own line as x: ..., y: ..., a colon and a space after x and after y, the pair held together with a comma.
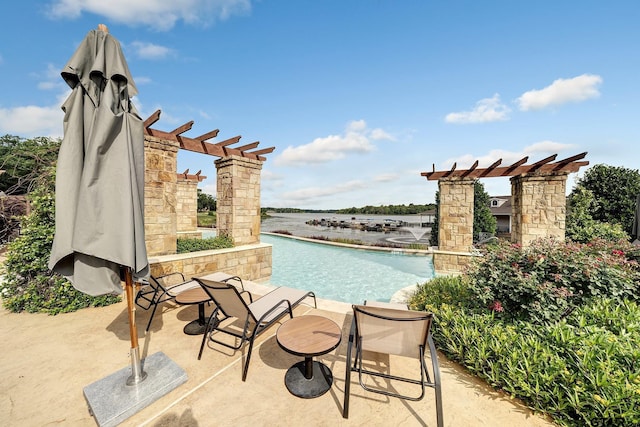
x: 111, y: 400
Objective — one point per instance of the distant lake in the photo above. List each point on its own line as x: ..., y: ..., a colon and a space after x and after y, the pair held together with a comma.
x: 295, y: 223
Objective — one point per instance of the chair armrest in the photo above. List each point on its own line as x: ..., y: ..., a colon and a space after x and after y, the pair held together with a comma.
x: 266, y: 314
x: 171, y: 274
x: 249, y: 294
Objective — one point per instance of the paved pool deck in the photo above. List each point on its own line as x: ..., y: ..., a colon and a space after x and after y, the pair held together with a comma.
x: 47, y: 361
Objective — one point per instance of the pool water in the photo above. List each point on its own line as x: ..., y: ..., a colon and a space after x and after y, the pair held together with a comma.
x: 344, y: 274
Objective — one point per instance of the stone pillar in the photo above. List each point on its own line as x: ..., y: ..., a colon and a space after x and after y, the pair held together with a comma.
x: 538, y: 207
x: 455, y: 214
x: 238, y: 199
x: 186, y: 205
x: 160, y: 187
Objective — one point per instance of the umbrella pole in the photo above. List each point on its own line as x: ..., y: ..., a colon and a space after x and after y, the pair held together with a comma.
x: 137, y: 374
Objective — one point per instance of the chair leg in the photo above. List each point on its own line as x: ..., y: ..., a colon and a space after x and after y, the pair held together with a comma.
x: 347, y: 376
x: 436, y: 380
x: 245, y: 369
x: 155, y: 306
x: 212, y: 323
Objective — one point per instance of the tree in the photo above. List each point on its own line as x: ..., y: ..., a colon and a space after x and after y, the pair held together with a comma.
x: 206, y: 202
x: 483, y: 219
x: 615, y: 191
x: 581, y: 227
x: 433, y: 238
x: 24, y: 160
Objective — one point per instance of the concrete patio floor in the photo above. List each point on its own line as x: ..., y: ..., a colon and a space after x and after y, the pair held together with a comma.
x: 48, y: 360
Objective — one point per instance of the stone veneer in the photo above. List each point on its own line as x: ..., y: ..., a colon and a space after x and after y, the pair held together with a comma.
x: 251, y: 262
x: 455, y: 219
x: 538, y: 207
x: 160, y: 189
x: 238, y: 201
x: 187, y: 205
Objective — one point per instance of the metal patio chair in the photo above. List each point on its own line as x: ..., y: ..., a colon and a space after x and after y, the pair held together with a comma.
x: 397, y: 332
x: 156, y: 291
x: 253, y: 316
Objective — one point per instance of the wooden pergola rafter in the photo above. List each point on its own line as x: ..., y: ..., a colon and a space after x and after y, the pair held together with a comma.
x: 200, y: 144
x: 568, y: 165
x: 190, y: 177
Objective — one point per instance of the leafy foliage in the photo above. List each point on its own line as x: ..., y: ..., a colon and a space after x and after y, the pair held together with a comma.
x: 409, y: 209
x: 194, y: 245
x: 24, y: 161
x: 547, y: 280
x: 435, y: 228
x: 581, y: 370
x: 206, y: 202
x: 483, y: 220
x: 581, y: 227
x: 615, y: 190
x: 28, y: 284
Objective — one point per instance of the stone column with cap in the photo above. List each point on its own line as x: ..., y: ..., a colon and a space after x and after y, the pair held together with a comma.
x: 538, y: 207
x: 238, y: 199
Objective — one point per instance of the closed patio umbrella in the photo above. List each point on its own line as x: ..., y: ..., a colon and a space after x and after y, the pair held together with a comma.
x: 99, y: 236
x: 100, y: 172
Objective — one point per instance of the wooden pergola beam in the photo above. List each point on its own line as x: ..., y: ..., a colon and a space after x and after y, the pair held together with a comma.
x: 568, y: 165
x: 200, y: 143
x: 248, y: 146
x: 197, y: 177
x: 182, y: 129
x: 492, y: 167
x: 152, y: 119
x: 471, y: 169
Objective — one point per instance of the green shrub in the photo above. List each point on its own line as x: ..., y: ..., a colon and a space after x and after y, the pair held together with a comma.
x: 582, y: 370
x: 194, y: 245
x: 549, y: 279
x: 28, y: 283
x: 442, y: 290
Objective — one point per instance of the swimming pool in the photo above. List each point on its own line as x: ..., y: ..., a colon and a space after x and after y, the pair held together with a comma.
x: 344, y: 274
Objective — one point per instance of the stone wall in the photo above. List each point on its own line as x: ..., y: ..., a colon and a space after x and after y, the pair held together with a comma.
x: 451, y: 262
x: 186, y: 205
x: 455, y: 215
x: 160, y: 191
x: 238, y: 199
x: 251, y: 262
x: 538, y: 206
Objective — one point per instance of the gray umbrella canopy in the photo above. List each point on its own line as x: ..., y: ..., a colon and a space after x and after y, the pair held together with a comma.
x: 100, y: 172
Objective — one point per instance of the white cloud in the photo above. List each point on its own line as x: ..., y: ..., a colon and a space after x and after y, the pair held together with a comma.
x: 379, y: 134
x: 31, y: 120
x: 209, y: 188
x: 142, y: 80
x: 561, y: 91
x: 386, y: 177
x: 161, y: 15
x: 150, y: 51
x: 355, y: 139
x: 536, y: 151
x: 486, y: 110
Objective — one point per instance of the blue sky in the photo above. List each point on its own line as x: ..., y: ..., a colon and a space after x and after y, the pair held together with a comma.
x: 358, y: 97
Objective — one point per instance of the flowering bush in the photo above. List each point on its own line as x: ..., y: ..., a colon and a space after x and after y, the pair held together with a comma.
x: 549, y: 279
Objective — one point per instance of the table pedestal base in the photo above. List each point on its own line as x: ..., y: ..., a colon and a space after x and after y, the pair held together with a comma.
x: 307, y: 388
x: 195, y: 327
